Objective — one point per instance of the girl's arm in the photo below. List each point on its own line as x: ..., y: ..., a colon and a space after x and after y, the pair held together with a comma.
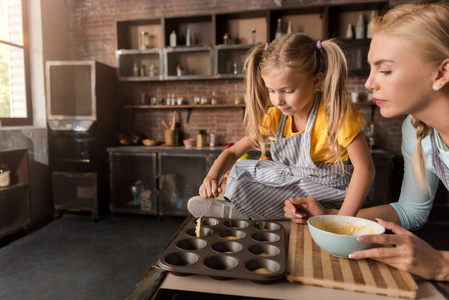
x: 210, y: 187
x: 362, y: 176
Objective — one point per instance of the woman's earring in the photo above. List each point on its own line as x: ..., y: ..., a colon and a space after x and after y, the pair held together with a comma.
x: 436, y: 87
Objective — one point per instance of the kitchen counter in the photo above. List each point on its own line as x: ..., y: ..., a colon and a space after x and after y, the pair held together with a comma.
x: 163, y: 148
x: 156, y: 281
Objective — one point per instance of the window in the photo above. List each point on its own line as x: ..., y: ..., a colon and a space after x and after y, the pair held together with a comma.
x: 15, y: 99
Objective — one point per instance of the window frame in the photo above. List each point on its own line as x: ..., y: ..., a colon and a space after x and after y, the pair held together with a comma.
x: 26, y: 55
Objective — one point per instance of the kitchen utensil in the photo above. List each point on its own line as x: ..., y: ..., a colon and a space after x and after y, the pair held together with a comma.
x: 229, y: 248
x: 338, y: 234
x: 173, y: 121
x: 164, y: 124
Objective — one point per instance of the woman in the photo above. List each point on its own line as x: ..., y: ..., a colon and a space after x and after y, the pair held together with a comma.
x: 409, y: 58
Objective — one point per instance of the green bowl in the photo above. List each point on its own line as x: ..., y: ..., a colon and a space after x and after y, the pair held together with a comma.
x: 338, y: 234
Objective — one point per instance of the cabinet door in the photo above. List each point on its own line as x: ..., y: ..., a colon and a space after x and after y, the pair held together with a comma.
x: 14, y: 209
x: 136, y: 170
x: 15, y: 198
x: 180, y: 177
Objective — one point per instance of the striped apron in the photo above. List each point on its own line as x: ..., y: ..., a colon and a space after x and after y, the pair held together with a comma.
x: 258, y: 188
x: 441, y: 169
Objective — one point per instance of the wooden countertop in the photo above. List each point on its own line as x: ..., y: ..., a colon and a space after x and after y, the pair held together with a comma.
x: 156, y: 278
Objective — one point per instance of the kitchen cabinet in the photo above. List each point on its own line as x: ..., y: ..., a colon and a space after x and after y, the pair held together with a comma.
x: 180, y: 177
x: 380, y: 191
x: 220, y: 42
x: 167, y: 177
x: 170, y: 176
x: 133, y: 183
x: 183, y: 63
x: 15, y: 197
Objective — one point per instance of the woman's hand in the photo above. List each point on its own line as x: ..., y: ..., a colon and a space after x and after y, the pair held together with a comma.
x: 410, y: 254
x: 210, y: 188
x: 300, y: 209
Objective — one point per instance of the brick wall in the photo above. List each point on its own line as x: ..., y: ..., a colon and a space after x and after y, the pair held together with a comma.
x: 93, y: 36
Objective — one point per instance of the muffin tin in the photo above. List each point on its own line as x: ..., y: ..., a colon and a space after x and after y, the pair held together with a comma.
x: 229, y: 249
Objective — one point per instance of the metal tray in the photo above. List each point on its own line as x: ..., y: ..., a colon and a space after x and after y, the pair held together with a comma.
x: 229, y: 249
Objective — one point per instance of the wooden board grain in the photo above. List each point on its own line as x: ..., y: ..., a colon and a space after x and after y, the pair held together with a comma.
x: 309, y: 264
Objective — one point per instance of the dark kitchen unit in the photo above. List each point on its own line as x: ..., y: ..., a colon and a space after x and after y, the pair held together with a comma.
x: 82, y: 114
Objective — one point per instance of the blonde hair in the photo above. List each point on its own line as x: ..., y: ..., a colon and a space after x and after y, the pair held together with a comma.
x: 297, y: 52
x: 426, y: 26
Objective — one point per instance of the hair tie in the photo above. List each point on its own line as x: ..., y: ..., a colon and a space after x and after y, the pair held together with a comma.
x: 318, y: 45
x: 266, y: 47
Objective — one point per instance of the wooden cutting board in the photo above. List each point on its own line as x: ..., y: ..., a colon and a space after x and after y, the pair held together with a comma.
x: 309, y: 264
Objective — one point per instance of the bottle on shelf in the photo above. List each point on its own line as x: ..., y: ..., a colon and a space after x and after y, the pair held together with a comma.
x: 135, y: 70
x: 370, y: 136
x: 369, y: 32
x: 278, y: 31
x: 213, y: 101
x: 152, y: 70
x: 144, y: 40
x: 173, y: 99
x: 188, y: 38
x: 226, y: 39
x: 168, y: 99
x: 360, y: 28
x: 142, y: 70
x: 349, y: 33
x: 212, y: 138
x: 289, y: 27
x: 173, y: 39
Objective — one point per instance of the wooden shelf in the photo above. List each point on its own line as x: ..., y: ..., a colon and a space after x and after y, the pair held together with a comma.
x: 186, y: 106
x: 209, y: 58
x: 372, y: 103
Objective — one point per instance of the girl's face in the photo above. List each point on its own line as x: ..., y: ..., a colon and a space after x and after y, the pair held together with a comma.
x: 292, y: 93
x: 401, y: 83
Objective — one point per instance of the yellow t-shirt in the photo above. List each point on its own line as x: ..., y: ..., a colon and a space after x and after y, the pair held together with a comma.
x: 318, y: 148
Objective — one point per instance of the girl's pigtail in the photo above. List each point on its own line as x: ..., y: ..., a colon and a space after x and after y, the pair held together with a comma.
x: 418, y: 166
x: 255, y: 99
x: 335, y: 95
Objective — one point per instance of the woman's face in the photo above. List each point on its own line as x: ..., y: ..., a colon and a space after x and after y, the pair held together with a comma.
x: 292, y: 93
x: 401, y: 83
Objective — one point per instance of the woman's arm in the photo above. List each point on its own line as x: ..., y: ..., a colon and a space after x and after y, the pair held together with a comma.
x: 410, y: 254
x: 362, y: 176
x: 210, y: 187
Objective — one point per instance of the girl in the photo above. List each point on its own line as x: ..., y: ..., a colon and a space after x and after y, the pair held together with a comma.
x: 312, y: 135
x: 409, y: 57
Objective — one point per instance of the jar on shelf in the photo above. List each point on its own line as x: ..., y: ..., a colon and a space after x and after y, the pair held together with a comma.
x: 5, y: 175
x: 144, y: 42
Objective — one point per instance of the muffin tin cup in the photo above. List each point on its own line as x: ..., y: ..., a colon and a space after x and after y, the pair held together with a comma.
x: 243, y: 249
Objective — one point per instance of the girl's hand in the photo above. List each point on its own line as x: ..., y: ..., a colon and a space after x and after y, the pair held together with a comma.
x: 300, y: 209
x: 210, y: 189
x: 411, y: 254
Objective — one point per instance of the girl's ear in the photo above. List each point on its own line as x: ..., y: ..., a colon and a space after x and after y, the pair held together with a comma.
x: 317, y: 80
x: 443, y: 74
